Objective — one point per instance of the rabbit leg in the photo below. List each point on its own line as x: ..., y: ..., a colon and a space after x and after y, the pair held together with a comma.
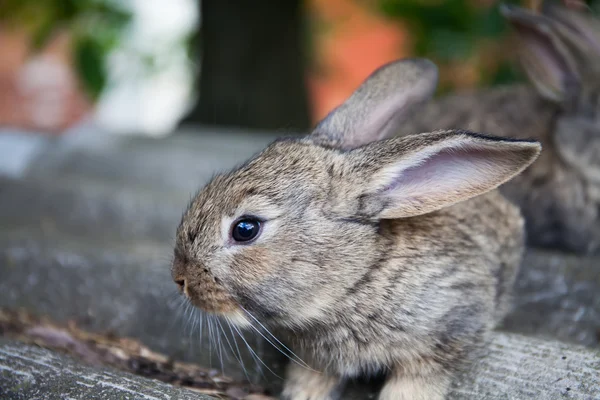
x: 305, y: 384
x: 432, y: 386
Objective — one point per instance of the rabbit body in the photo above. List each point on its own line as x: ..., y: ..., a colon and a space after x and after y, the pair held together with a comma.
x: 431, y: 289
x: 368, y: 253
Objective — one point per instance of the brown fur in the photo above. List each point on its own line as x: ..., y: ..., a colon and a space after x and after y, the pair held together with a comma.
x: 560, y: 194
x: 364, y: 265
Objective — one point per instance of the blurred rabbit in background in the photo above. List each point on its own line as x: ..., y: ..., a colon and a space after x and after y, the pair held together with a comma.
x: 559, y: 49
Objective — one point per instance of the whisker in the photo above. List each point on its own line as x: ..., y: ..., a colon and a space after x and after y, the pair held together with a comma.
x: 210, y: 339
x: 254, y: 353
x: 186, y: 318
x: 258, y: 366
x: 200, y: 331
x: 225, y: 352
x: 188, y: 310
x: 175, y: 302
x: 297, y: 359
x: 260, y: 345
x: 195, y: 322
x: 231, y: 348
x: 219, y: 347
x: 173, y: 296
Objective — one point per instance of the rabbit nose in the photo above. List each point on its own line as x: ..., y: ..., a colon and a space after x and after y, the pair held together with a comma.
x: 182, y: 284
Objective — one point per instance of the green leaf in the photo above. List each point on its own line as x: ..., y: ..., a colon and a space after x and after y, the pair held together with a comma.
x: 447, y: 45
x: 42, y: 34
x: 450, y: 14
x: 490, y: 23
x: 506, y: 73
x: 90, y: 62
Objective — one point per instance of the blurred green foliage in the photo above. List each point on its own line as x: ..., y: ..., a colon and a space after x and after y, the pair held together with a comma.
x: 458, y: 34
x: 95, y: 27
x: 462, y: 35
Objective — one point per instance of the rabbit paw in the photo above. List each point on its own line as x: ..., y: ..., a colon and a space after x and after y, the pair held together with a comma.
x: 305, y: 384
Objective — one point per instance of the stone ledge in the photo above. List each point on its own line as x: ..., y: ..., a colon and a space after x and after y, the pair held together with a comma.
x: 520, y: 367
x: 181, y: 162
x: 28, y: 372
x: 95, y: 210
x: 514, y: 367
x: 557, y: 296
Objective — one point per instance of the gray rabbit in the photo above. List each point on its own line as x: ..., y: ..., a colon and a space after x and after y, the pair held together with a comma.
x: 369, y: 253
x: 560, y: 194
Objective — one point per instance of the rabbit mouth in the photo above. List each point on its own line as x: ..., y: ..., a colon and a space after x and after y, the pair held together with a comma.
x: 210, y: 298
x: 220, y: 304
x: 201, y: 288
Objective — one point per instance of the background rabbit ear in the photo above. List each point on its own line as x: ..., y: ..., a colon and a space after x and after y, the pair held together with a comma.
x: 419, y: 174
x: 575, y: 24
x: 579, y: 31
x: 546, y: 60
x: 379, y: 106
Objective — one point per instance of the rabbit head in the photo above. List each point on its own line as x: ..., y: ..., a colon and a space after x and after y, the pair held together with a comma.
x: 286, y: 235
x: 560, y: 52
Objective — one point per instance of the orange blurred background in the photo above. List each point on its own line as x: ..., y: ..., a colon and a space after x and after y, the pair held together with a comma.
x: 349, y: 41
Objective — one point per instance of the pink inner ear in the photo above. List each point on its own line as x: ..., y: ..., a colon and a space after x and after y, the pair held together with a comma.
x: 552, y: 68
x: 458, y: 171
x: 543, y: 63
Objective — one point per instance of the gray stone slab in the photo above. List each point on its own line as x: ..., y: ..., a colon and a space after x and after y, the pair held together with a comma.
x: 520, y: 367
x: 98, y: 185
x: 558, y: 296
x: 512, y: 367
x: 28, y: 372
x: 18, y: 150
x: 181, y: 162
x: 96, y: 210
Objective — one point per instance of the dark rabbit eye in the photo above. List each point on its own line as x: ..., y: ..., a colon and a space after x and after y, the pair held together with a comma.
x: 245, y: 229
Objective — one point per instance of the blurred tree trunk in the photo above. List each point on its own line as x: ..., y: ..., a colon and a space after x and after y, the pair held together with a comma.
x: 253, y: 65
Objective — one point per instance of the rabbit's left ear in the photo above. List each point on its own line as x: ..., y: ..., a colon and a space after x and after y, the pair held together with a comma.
x: 418, y: 174
x: 379, y: 106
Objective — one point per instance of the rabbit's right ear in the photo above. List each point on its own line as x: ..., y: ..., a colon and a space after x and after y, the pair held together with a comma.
x: 379, y: 106
x: 546, y: 60
x: 418, y: 174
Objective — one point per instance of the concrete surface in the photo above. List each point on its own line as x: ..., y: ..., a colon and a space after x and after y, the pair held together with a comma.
x: 96, y: 210
x: 28, y: 373
x: 181, y: 162
x: 514, y: 367
x: 557, y: 296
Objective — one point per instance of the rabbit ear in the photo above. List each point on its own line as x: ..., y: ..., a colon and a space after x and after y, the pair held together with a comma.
x: 546, y: 60
x: 418, y: 174
x: 378, y: 107
x: 578, y: 26
x: 580, y: 32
